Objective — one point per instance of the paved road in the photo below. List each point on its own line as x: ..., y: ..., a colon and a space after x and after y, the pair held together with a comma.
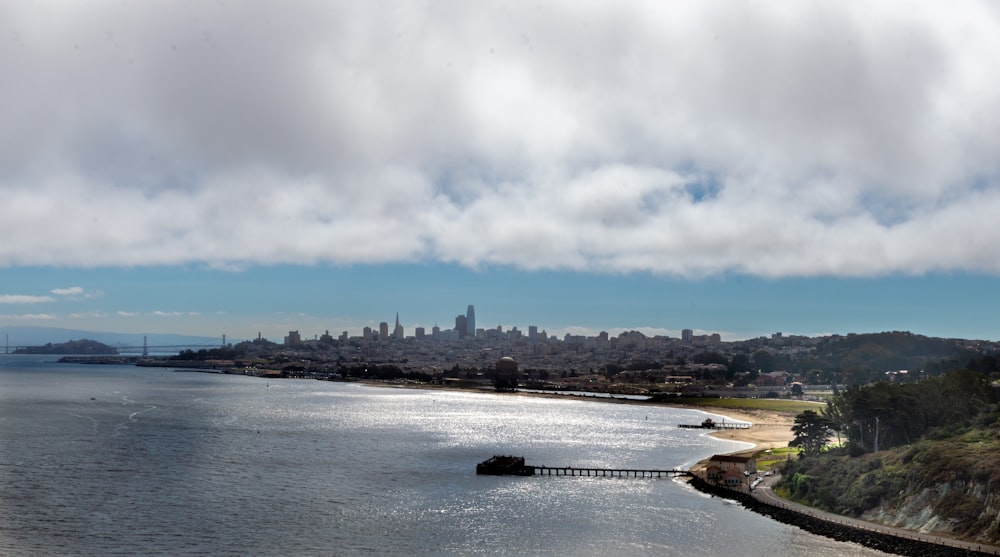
x: 764, y: 493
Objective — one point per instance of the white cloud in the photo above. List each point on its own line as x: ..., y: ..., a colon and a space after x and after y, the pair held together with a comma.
x: 28, y: 317
x: 159, y: 313
x: 88, y: 315
x: 121, y: 313
x: 822, y: 138
x: 71, y: 291
x: 24, y: 299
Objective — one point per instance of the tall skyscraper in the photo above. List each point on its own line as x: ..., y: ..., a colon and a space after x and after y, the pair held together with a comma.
x: 460, y: 326
x: 397, y: 331
x: 470, y: 322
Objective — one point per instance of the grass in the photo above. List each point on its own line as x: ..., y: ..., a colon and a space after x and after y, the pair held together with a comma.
x: 777, y: 456
x: 770, y: 404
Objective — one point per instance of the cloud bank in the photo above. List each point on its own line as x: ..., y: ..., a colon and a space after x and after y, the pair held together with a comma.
x: 814, y: 139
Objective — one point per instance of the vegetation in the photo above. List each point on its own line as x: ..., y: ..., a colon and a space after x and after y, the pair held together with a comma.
x: 771, y: 404
x: 836, y: 360
x: 884, y: 415
x: 862, y: 359
x: 383, y: 372
x: 852, y: 486
x: 812, y: 432
x: 225, y: 353
x: 903, y: 441
x: 773, y: 458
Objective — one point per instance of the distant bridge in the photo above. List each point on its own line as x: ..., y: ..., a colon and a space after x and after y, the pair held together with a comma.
x: 164, y: 348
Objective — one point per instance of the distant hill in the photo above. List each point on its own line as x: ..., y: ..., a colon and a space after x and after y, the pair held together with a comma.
x: 36, y: 336
x: 862, y: 358
x: 82, y: 346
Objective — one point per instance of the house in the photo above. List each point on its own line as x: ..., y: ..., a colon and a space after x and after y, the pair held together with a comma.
x: 733, y: 478
x: 744, y: 465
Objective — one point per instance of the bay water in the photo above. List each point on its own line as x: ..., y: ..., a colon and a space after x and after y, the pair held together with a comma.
x: 120, y: 460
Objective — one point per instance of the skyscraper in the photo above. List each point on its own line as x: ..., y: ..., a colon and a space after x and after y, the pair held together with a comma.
x: 397, y: 331
x: 470, y: 322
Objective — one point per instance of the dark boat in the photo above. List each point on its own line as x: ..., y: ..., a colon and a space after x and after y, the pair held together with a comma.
x: 499, y: 465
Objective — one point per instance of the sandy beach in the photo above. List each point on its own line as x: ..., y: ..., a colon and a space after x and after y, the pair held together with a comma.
x: 770, y: 429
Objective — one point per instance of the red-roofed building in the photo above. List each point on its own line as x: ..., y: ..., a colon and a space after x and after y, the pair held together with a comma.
x: 733, y: 478
x: 722, y: 463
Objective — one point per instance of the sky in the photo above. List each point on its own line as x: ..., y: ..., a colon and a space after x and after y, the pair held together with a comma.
x: 736, y: 167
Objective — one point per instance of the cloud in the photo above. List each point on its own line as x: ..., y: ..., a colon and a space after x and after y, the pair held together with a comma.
x: 159, y: 313
x: 121, y: 313
x: 28, y: 317
x: 819, y: 139
x: 71, y: 291
x: 76, y: 293
x: 88, y: 315
x: 24, y: 299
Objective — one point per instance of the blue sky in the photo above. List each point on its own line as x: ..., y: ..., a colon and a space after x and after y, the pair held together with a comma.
x: 730, y: 167
x: 273, y: 300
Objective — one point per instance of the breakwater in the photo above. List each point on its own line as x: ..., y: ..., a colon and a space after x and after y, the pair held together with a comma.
x: 842, y: 532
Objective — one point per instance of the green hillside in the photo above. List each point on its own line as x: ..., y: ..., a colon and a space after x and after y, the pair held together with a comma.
x: 919, y: 455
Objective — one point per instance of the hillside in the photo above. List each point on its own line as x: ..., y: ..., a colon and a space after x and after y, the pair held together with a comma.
x: 949, y: 487
x: 920, y: 456
x: 82, y: 346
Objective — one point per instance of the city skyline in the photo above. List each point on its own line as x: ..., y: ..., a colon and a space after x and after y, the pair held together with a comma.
x: 735, y: 168
x: 280, y: 300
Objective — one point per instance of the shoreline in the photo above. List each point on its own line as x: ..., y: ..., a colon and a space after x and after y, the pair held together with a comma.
x: 771, y: 429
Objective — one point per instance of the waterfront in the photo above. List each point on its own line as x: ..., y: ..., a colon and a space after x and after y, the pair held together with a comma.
x: 124, y: 460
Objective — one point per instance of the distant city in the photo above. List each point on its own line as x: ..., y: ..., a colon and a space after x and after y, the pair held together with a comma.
x: 753, y: 367
x: 775, y: 361
x: 465, y: 328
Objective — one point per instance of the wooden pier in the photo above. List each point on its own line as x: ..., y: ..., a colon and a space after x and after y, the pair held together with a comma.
x: 608, y: 472
x: 710, y: 424
x: 500, y: 465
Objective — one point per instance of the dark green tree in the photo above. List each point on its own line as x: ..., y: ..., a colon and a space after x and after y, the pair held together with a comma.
x: 763, y: 361
x: 740, y: 363
x: 812, y: 432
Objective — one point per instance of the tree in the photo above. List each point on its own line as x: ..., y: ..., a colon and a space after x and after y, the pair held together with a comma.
x: 812, y: 432
x: 505, y: 383
x: 797, y: 390
x: 763, y: 361
x: 740, y: 363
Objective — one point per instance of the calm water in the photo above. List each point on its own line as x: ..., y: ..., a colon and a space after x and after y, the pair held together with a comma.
x: 105, y: 460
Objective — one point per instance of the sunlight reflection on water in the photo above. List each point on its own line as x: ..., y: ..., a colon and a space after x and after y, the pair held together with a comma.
x: 185, y: 463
